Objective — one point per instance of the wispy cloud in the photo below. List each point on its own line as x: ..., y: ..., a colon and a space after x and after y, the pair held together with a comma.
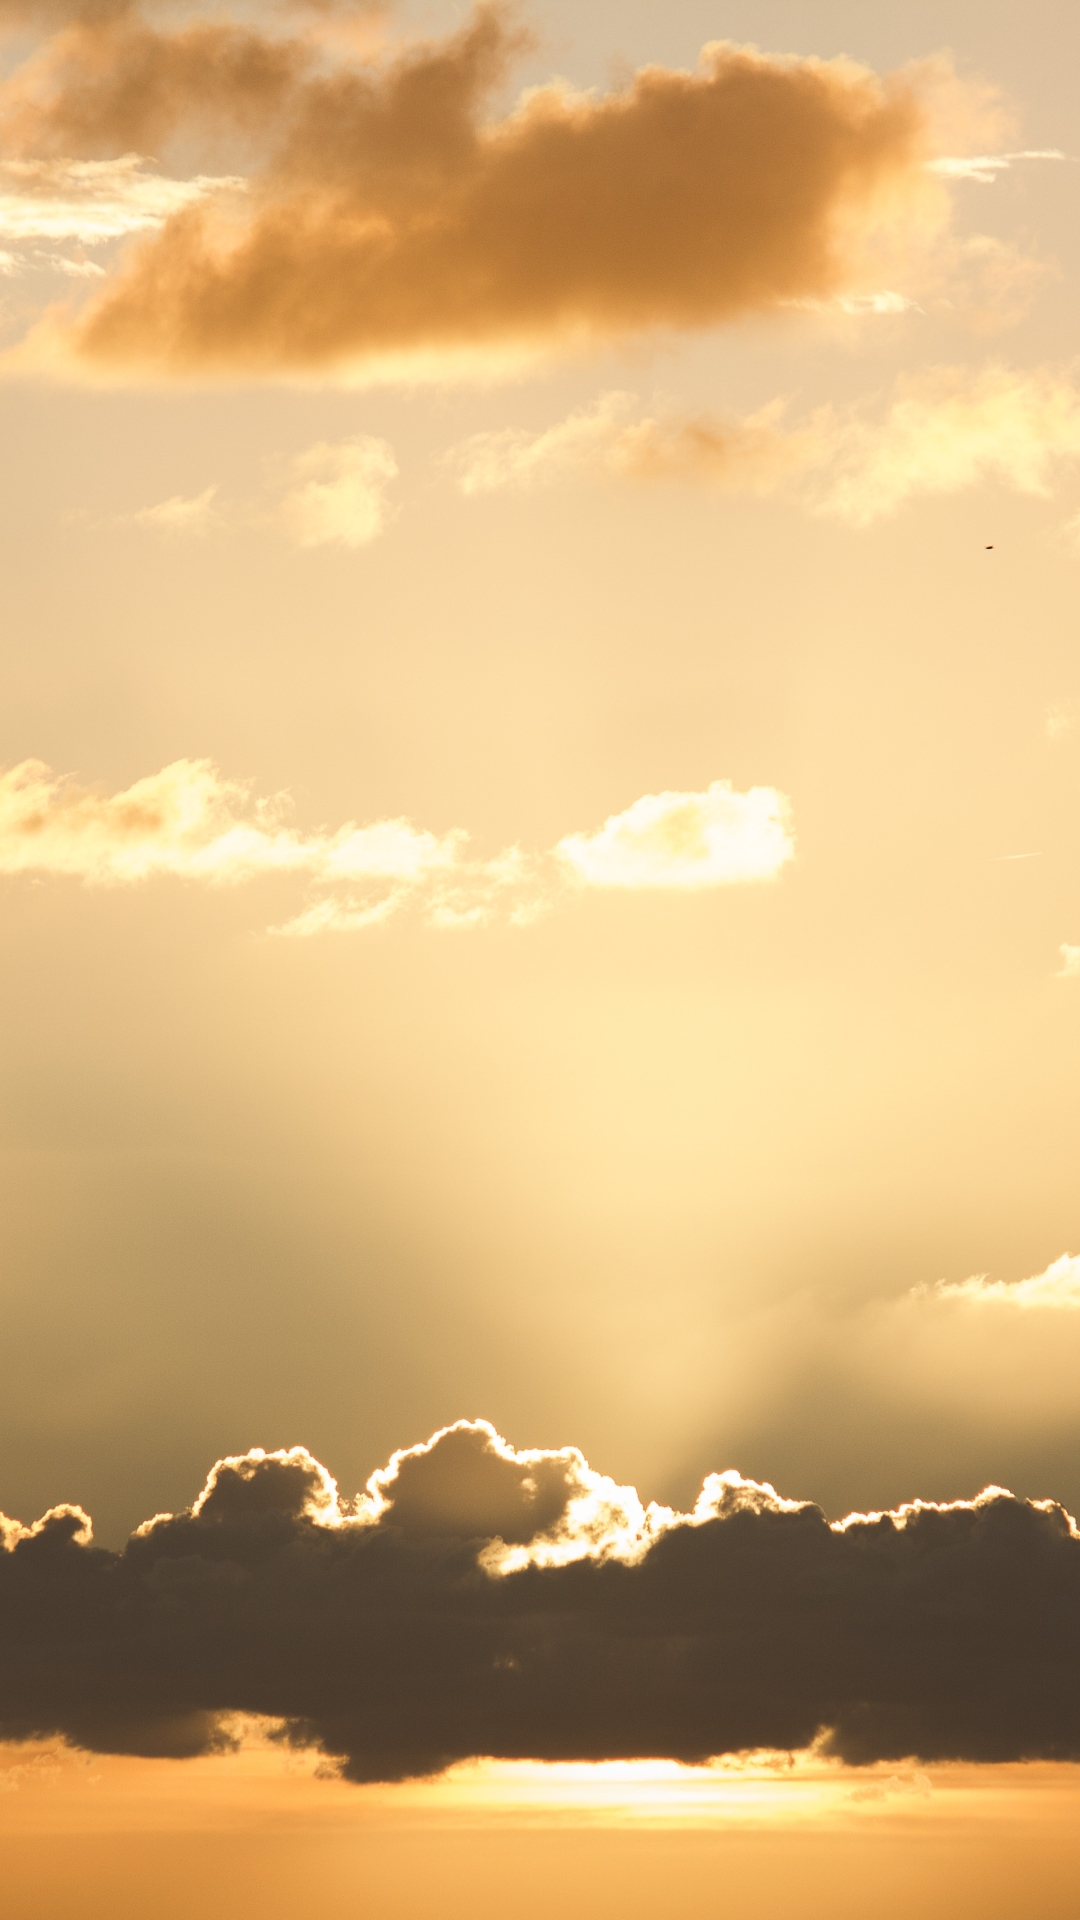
x: 332, y: 495
x: 178, y: 515
x: 189, y: 822
x: 94, y: 201
x: 986, y: 167
x: 942, y: 431
x: 678, y: 199
x: 1070, y: 962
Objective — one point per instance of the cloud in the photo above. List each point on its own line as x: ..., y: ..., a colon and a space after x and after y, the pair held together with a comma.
x: 985, y: 167
x: 331, y: 495
x: 941, y: 431
x: 178, y: 515
x: 475, y: 1600
x: 338, y: 493
x: 686, y: 840
x: 189, y: 822
x: 391, y: 219
x: 1058, y: 1287
x: 93, y: 201
x: 1070, y: 962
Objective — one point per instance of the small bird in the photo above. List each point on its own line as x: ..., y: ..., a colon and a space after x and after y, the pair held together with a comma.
x: 990, y: 549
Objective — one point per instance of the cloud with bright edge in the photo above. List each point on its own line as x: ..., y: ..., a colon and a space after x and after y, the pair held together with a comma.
x: 941, y: 431
x: 191, y: 823
x: 524, y: 1587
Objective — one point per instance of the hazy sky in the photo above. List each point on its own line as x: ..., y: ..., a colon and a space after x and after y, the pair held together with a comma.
x: 540, y: 746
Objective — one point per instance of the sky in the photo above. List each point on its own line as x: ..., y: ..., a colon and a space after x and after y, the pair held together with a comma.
x: 540, y: 940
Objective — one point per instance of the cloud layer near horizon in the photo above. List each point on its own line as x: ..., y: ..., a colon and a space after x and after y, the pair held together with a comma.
x: 480, y: 1601
x: 191, y: 823
x: 387, y: 214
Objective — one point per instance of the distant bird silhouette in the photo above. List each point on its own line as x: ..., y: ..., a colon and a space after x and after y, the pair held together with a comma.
x: 990, y: 549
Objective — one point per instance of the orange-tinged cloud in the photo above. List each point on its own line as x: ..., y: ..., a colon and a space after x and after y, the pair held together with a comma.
x: 389, y: 215
x: 191, y: 823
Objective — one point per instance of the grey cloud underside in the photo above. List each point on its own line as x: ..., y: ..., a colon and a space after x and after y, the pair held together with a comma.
x: 951, y: 1633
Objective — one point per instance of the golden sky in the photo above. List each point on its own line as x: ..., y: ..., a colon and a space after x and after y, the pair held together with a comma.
x: 539, y: 778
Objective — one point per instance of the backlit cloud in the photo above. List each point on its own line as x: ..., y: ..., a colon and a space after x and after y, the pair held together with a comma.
x: 389, y: 217
x: 1070, y: 962
x: 686, y: 840
x: 941, y: 431
x: 189, y: 822
x: 475, y: 1600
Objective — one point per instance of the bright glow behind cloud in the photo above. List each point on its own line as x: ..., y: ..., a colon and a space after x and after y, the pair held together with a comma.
x: 686, y: 840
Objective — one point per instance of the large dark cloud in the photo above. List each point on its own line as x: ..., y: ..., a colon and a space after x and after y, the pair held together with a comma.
x: 396, y: 1635
x: 392, y: 212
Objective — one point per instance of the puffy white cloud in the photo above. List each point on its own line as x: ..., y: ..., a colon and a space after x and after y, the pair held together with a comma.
x: 1070, y: 962
x: 686, y: 840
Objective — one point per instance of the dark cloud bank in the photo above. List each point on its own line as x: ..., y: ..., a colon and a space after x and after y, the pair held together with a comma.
x: 396, y: 1635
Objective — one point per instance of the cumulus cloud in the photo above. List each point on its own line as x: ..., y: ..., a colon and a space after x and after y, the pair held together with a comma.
x: 390, y: 216
x: 190, y: 822
x: 1070, y: 962
x: 940, y: 431
x: 686, y: 840
x: 476, y: 1600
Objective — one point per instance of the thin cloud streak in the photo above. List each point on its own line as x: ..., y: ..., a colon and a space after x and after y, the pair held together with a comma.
x: 94, y: 201
x: 188, y: 822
